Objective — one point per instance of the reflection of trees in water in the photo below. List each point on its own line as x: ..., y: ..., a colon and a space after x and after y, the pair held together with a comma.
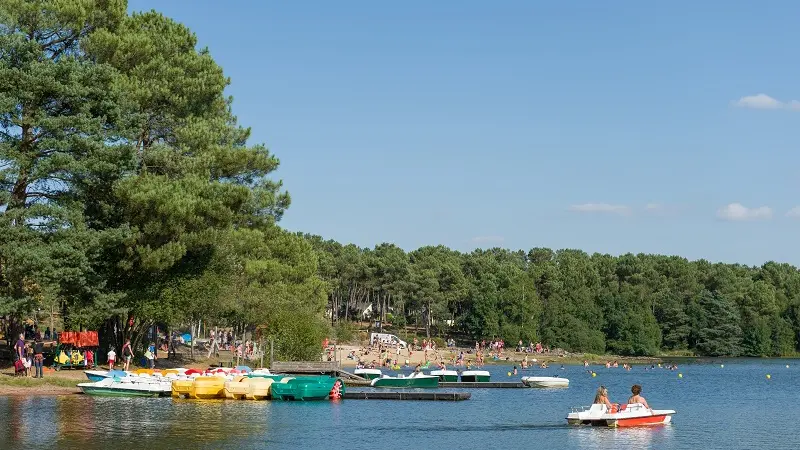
x: 74, y: 418
x: 28, y: 420
x: 79, y: 421
x: 12, y: 411
x: 102, y: 421
x: 220, y: 420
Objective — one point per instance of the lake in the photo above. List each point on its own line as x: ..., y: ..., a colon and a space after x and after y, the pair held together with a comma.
x: 731, y: 407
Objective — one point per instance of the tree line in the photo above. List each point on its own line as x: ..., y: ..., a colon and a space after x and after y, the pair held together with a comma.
x: 630, y: 304
x: 130, y: 195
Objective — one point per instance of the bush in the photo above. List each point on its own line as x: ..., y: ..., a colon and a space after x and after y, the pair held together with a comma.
x: 345, y: 332
x: 298, y: 334
x: 440, y: 343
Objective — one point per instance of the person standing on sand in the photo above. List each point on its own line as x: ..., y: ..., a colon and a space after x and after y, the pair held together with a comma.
x: 112, y: 358
x: 38, y: 357
x: 151, y: 355
x: 28, y: 360
x: 19, y: 348
x: 127, y: 355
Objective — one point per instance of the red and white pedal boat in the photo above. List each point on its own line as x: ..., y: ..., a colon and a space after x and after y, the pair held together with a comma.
x: 632, y: 415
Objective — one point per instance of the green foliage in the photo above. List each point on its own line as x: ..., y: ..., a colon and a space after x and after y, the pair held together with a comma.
x: 298, y: 333
x: 716, y: 328
x: 127, y: 187
x: 783, y: 338
x: 630, y: 305
x: 60, y: 115
x: 345, y: 332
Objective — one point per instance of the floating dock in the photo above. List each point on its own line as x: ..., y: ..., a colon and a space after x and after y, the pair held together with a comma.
x: 483, y: 385
x: 394, y: 395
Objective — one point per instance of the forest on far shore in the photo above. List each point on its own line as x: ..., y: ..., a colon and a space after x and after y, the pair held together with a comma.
x: 629, y: 305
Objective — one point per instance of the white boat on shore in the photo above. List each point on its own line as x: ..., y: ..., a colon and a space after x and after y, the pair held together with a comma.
x: 127, y: 387
x: 545, y: 382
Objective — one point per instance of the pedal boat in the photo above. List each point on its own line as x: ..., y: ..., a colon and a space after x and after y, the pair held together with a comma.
x: 475, y: 376
x: 631, y: 415
x: 446, y: 376
x: 415, y: 380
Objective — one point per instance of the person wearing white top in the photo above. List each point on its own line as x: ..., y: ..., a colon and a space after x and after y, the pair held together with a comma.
x: 112, y: 358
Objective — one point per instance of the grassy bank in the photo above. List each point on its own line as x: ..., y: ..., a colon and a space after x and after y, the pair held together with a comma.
x: 50, y: 385
x: 25, y: 382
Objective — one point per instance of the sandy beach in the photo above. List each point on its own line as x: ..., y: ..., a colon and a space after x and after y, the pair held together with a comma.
x: 447, y: 355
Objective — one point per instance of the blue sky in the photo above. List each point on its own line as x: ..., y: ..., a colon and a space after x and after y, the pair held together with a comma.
x: 629, y: 127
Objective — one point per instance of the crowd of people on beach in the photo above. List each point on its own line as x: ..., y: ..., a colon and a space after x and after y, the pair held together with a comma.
x: 243, y: 349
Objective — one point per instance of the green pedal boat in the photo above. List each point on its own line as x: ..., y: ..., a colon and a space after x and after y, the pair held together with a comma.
x: 475, y: 376
x: 448, y: 376
x: 415, y: 380
x: 305, y: 388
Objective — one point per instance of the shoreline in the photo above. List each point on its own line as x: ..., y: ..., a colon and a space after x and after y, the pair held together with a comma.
x: 64, y: 382
x: 508, y: 358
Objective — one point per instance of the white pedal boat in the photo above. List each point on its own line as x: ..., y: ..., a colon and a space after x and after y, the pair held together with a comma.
x: 128, y: 386
x: 631, y: 415
x: 545, y: 382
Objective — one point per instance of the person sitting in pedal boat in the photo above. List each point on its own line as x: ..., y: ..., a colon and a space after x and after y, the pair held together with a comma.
x: 636, y: 398
x: 601, y: 397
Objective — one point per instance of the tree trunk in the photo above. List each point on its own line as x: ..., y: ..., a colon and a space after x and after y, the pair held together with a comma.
x: 191, y: 337
x: 428, y: 320
x: 380, y: 317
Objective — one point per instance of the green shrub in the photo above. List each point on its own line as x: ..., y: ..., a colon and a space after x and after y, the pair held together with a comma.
x: 345, y: 332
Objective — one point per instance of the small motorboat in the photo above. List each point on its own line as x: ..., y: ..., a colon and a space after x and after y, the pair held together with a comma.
x: 415, y: 380
x: 545, y: 382
x: 631, y: 415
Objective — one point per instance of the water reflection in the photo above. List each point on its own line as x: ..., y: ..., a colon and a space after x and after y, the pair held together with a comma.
x: 492, y: 418
x: 597, y: 437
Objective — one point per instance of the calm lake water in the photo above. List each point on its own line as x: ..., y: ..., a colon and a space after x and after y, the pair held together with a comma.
x: 731, y: 407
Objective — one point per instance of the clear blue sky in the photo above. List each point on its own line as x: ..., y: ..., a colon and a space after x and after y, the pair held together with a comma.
x: 523, y: 123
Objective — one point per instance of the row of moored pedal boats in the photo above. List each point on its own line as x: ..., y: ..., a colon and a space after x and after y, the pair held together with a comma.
x: 248, y: 384
x: 432, y: 380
